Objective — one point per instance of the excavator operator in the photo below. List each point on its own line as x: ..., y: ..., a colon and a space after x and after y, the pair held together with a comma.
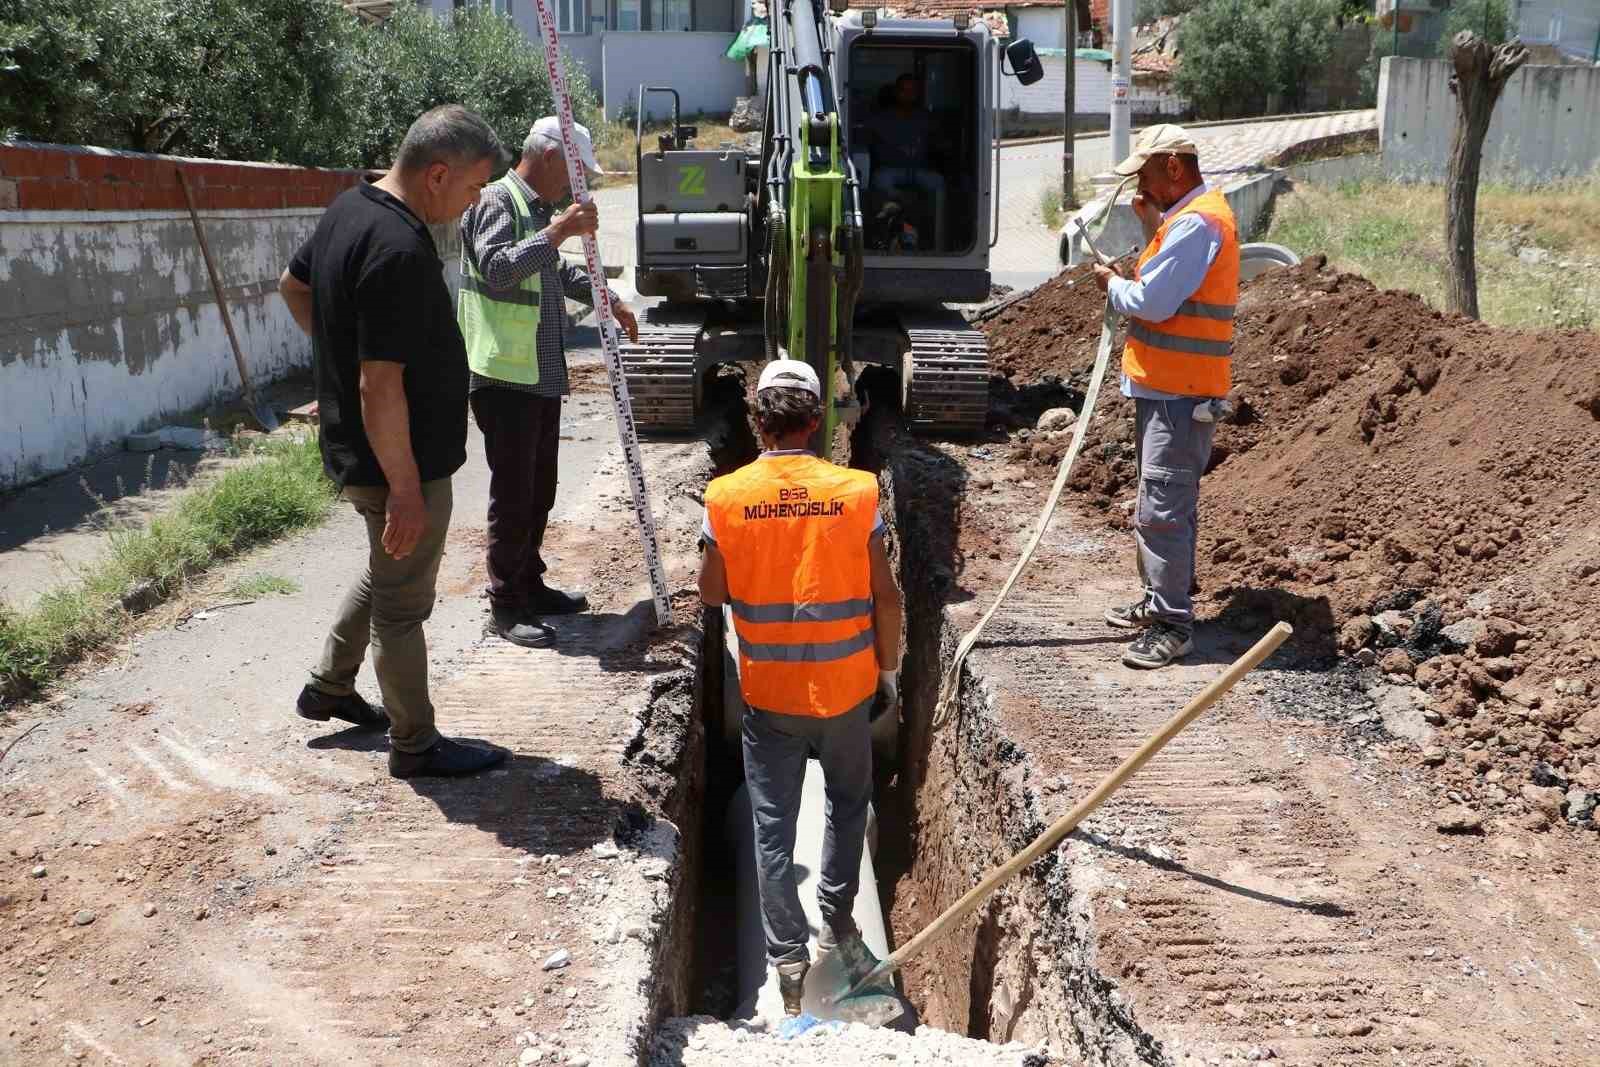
x: 902, y: 139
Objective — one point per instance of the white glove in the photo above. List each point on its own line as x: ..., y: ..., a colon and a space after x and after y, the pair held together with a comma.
x: 889, y: 686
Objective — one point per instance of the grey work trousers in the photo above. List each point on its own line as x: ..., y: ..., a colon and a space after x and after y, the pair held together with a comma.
x: 386, y: 609
x: 1172, y: 451
x: 775, y: 751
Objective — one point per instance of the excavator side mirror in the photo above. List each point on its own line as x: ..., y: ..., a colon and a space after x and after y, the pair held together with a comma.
x: 1024, y: 61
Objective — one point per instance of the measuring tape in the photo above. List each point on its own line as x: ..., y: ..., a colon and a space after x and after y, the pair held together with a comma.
x: 610, y: 345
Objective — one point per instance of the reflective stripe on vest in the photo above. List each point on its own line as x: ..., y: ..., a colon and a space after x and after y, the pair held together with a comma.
x: 799, y: 582
x: 501, y: 326
x: 1190, y: 353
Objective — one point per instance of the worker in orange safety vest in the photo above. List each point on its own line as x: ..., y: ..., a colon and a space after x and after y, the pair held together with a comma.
x: 1179, y: 307
x: 794, y: 546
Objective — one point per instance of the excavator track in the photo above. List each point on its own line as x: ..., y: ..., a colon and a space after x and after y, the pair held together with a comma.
x: 945, y: 380
x: 663, y: 377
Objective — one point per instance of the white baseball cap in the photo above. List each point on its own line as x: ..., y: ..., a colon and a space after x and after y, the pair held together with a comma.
x: 1165, y: 139
x: 790, y: 374
x: 550, y: 127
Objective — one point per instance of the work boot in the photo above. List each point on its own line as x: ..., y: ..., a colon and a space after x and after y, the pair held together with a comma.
x: 515, y: 625
x: 1133, y: 617
x: 1158, y: 646
x: 446, y: 759
x: 792, y: 984
x: 318, y: 706
x: 547, y: 601
x: 855, y: 958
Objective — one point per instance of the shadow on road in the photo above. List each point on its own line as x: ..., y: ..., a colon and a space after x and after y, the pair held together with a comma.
x: 536, y: 805
x: 1139, y: 855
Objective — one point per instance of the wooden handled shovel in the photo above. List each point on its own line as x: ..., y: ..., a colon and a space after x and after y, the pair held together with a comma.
x: 263, y: 414
x: 1069, y: 822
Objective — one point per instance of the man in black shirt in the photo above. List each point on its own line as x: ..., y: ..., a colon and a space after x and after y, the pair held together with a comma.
x: 391, y: 377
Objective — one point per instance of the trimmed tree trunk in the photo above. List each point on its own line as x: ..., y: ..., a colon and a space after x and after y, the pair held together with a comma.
x: 1480, y: 74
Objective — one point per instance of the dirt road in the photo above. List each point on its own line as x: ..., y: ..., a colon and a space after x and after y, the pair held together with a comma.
x: 1271, y: 887
x: 193, y: 875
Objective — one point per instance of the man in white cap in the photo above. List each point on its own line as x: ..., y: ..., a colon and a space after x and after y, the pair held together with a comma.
x: 1179, y: 305
x: 794, y: 546
x: 512, y: 312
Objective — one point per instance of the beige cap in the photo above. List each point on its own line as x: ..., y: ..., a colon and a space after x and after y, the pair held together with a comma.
x: 1165, y: 139
x: 550, y: 127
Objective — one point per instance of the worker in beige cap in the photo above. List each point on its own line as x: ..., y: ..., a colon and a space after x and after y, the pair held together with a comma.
x: 1179, y: 306
x: 513, y: 313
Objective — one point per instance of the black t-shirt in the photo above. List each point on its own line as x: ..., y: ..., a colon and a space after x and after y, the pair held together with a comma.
x: 378, y: 293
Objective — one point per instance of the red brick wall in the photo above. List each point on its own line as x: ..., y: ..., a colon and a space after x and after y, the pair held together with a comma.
x: 35, y: 177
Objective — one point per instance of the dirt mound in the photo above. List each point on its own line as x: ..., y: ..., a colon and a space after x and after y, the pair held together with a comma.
x: 1414, y: 489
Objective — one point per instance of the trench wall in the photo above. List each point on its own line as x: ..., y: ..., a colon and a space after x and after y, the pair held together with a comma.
x: 1022, y: 967
x: 1543, y: 127
x: 108, y: 324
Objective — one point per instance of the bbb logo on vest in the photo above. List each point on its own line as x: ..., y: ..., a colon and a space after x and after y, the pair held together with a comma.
x: 795, y: 503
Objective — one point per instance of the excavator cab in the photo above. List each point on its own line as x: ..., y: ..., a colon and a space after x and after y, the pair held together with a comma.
x: 868, y: 212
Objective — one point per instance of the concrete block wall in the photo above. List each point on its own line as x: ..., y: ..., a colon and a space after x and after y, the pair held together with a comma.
x: 108, y: 323
x: 1544, y: 127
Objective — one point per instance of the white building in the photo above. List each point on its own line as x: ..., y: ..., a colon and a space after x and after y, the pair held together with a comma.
x: 621, y: 44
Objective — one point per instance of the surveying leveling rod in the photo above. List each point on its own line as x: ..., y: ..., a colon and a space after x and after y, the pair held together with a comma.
x: 609, y: 343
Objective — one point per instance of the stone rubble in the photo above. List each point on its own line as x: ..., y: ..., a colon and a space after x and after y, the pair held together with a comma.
x: 701, y: 1041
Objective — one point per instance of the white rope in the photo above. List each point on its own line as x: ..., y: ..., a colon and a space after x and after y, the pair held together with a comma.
x: 951, y: 686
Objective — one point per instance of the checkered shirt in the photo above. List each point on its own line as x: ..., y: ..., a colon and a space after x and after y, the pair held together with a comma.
x: 489, y: 235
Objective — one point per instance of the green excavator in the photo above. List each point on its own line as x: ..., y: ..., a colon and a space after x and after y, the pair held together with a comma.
x: 869, y: 210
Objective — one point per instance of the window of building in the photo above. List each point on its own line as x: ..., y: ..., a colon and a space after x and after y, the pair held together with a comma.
x: 569, y: 17
x: 670, y: 14
x: 628, y: 15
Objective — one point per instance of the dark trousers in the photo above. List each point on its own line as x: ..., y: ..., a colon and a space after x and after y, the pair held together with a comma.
x: 521, y: 440
x: 776, y: 748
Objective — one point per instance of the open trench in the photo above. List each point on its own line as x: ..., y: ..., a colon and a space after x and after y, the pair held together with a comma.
x: 951, y: 803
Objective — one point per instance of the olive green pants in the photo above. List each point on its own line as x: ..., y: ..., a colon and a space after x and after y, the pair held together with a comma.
x: 386, y: 609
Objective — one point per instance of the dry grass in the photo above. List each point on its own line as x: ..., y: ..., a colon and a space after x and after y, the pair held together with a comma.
x: 1538, y: 249
x: 615, y: 143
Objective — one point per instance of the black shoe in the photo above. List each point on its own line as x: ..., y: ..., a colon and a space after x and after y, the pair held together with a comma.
x: 547, y: 601
x: 445, y: 759
x: 515, y: 626
x: 318, y: 706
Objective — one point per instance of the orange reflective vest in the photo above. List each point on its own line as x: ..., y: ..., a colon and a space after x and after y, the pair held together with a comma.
x: 1190, y: 353
x: 793, y: 533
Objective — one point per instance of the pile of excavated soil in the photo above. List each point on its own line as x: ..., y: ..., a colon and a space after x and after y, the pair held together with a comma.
x: 1411, y: 488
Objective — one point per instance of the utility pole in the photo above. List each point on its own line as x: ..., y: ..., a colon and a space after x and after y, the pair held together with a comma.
x: 1121, y: 76
x: 1069, y: 108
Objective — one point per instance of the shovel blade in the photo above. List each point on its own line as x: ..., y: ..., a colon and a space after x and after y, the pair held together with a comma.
x: 874, y: 1004
x: 265, y: 417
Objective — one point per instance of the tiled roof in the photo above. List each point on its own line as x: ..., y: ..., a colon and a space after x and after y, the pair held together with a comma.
x: 1155, y: 63
x: 945, y: 8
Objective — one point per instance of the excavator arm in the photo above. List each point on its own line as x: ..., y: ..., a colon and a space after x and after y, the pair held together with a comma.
x: 812, y: 209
